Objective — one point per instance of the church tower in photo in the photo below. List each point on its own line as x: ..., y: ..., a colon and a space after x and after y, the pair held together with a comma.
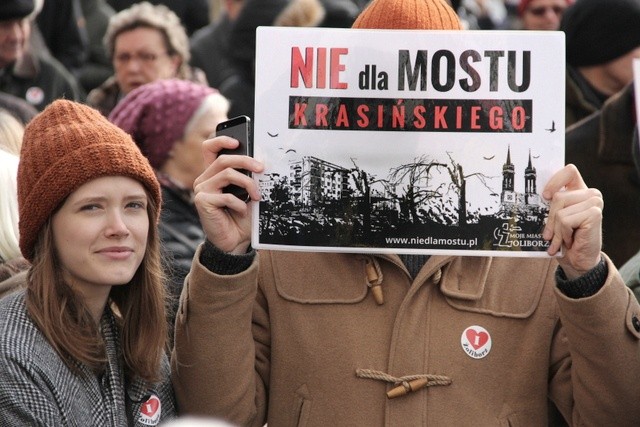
x: 509, y: 198
x: 508, y: 194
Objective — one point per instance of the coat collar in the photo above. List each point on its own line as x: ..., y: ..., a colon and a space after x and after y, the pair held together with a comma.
x: 468, y: 278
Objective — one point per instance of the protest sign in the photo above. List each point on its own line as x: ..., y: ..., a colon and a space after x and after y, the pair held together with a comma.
x: 394, y: 141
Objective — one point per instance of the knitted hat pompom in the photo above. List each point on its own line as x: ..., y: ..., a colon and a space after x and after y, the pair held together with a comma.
x: 408, y: 15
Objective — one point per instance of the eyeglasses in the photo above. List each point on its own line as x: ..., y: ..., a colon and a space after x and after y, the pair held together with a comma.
x: 146, y: 58
x: 542, y: 10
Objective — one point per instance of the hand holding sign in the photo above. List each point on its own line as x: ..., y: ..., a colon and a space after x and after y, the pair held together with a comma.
x: 574, y: 222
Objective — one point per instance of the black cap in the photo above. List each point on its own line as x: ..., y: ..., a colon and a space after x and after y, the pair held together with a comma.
x: 599, y: 31
x: 15, y: 9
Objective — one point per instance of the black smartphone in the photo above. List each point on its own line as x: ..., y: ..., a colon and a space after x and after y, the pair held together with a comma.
x: 237, y: 128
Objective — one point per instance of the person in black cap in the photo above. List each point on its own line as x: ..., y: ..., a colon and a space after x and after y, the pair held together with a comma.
x: 630, y: 271
x: 602, y: 39
x: 25, y: 73
x: 600, y: 146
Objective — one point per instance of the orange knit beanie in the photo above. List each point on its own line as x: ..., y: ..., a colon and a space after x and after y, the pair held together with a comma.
x: 408, y: 15
x: 65, y: 146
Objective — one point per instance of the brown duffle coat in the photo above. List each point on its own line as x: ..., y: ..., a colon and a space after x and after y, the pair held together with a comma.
x: 298, y: 339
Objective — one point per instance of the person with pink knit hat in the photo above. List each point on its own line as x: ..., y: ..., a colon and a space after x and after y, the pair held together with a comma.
x: 83, y: 341
x: 169, y: 119
x: 340, y: 339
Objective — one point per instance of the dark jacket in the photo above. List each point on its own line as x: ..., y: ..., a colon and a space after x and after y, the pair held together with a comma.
x: 20, y: 108
x: 239, y: 88
x: 601, y: 147
x: 180, y: 233
x: 39, y: 80
x: 581, y: 98
x: 63, y: 29
x: 97, y: 68
x: 210, y: 52
x: 630, y: 273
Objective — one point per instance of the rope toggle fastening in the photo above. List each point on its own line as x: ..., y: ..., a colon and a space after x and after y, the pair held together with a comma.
x: 405, y: 384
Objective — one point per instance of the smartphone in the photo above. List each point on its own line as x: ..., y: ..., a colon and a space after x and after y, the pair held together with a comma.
x: 237, y: 128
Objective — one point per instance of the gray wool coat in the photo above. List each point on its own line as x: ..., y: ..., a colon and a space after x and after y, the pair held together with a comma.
x: 38, y: 389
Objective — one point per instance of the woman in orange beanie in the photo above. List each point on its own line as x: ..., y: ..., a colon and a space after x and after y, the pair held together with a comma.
x: 340, y: 339
x: 85, y: 342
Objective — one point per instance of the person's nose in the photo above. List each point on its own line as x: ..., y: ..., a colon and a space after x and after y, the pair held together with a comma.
x: 116, y: 224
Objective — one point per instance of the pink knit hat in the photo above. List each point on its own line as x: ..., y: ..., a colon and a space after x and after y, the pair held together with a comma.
x: 156, y: 114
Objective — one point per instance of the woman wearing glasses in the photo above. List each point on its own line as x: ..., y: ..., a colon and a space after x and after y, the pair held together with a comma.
x: 541, y: 14
x: 146, y: 43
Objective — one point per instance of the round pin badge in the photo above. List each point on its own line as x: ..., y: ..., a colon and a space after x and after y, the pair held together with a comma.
x: 150, y: 411
x: 34, y: 95
x: 476, y: 342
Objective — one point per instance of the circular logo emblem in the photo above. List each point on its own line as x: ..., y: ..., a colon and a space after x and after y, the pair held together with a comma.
x: 34, y: 95
x: 150, y: 411
x: 476, y: 341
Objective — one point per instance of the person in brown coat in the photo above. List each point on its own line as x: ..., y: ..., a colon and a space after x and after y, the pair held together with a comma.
x: 293, y: 339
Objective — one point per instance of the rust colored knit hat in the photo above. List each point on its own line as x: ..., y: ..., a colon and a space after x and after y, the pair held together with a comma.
x: 156, y: 115
x: 65, y: 146
x: 408, y: 15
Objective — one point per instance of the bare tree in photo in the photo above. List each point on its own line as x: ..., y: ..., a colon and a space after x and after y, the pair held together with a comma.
x: 459, y: 185
x: 415, y: 179
x: 362, y: 181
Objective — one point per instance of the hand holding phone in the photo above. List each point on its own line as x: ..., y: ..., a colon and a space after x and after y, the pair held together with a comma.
x: 237, y: 128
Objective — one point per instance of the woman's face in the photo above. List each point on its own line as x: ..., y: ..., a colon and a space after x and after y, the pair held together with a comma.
x: 100, y: 234
x: 140, y: 56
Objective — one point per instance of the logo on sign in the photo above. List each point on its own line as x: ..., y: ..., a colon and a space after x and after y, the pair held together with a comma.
x: 476, y: 341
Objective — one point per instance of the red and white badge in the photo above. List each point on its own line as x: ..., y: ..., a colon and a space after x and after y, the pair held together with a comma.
x: 476, y: 342
x: 150, y: 411
x: 34, y: 95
